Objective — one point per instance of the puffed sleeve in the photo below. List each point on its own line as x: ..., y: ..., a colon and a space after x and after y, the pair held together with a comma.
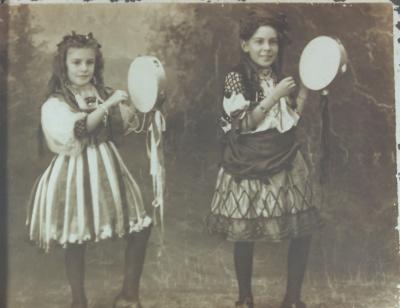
x: 59, y: 124
x: 235, y: 106
x: 234, y: 103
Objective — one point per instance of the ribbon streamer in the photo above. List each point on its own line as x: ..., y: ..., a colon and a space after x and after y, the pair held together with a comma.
x: 157, y: 170
x: 325, y: 142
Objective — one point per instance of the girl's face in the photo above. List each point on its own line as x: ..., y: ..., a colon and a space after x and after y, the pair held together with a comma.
x: 263, y: 46
x: 80, y: 65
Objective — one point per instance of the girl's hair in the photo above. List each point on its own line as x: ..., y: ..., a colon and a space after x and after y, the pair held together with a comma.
x: 246, y: 67
x: 58, y: 83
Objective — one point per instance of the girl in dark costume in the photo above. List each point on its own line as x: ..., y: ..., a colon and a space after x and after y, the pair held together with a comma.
x: 263, y: 190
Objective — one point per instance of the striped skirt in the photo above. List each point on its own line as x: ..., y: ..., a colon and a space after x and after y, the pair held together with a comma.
x: 273, y: 210
x: 91, y: 196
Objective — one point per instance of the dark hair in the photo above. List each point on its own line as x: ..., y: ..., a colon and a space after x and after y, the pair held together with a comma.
x: 246, y: 67
x: 58, y: 83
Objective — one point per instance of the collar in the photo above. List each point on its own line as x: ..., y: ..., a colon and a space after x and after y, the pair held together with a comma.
x: 86, y: 97
x: 86, y: 91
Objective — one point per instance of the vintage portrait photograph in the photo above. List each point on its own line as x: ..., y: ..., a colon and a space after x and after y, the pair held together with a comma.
x: 208, y: 154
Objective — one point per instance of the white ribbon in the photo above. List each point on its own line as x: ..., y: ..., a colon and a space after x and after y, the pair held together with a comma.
x: 157, y: 170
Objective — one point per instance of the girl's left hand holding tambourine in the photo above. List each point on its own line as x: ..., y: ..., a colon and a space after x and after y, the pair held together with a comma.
x: 301, y: 98
x: 303, y: 92
x: 117, y: 97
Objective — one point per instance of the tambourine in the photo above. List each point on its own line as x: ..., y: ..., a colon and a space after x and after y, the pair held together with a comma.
x: 321, y: 61
x: 146, y: 83
x: 146, y: 87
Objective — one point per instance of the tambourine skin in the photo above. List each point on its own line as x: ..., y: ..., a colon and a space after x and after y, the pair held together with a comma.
x: 146, y: 83
x: 321, y: 61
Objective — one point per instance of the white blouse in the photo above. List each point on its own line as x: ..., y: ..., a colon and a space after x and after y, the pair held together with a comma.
x: 280, y: 116
x: 58, y: 122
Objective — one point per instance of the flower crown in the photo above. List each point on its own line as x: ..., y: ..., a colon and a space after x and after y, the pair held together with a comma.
x: 87, y: 39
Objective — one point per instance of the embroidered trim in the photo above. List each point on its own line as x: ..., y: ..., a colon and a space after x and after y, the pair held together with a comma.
x: 80, y: 128
x: 233, y: 84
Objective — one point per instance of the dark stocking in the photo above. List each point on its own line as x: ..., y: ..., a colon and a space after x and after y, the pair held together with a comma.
x: 75, y: 270
x: 243, y: 258
x: 297, y: 262
x: 134, y: 260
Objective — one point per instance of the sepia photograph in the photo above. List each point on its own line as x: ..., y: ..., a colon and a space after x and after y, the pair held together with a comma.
x: 162, y: 154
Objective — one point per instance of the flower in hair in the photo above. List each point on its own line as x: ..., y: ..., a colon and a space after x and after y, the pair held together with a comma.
x: 79, y: 39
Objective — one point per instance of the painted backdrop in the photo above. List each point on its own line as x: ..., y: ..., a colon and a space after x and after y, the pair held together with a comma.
x: 353, y: 260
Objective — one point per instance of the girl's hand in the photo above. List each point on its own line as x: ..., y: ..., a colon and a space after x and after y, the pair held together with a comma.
x: 301, y: 98
x: 284, y: 88
x: 117, y: 97
x: 303, y: 91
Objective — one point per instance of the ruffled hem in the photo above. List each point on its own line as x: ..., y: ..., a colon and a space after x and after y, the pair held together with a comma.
x: 273, y: 229
x: 106, y: 232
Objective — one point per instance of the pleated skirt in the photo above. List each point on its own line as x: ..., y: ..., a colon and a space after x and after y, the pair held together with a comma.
x: 278, y: 208
x: 89, y: 197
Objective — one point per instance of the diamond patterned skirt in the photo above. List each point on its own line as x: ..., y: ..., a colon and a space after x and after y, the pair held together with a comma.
x: 254, y: 210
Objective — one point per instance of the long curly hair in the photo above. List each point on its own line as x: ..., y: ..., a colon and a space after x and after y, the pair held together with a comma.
x: 248, y: 26
x: 58, y: 83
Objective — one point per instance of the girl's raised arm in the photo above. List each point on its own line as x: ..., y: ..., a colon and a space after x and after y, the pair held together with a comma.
x: 95, y: 117
x: 284, y: 88
x: 301, y: 98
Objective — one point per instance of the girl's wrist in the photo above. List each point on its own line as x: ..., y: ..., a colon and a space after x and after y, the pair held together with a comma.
x: 107, y: 104
x: 273, y: 99
x: 264, y: 109
x: 266, y: 104
x: 104, y: 107
x: 302, y: 96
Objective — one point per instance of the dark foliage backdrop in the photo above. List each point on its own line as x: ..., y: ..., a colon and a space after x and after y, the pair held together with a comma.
x: 3, y: 153
x: 198, y: 44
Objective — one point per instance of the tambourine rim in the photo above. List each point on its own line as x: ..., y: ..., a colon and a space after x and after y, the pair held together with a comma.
x: 342, y: 58
x: 144, y: 108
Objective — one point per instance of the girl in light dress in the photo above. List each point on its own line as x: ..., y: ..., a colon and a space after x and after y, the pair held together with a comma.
x: 263, y: 190
x: 87, y: 194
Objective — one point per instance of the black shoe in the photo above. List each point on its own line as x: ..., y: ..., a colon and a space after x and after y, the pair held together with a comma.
x: 246, y: 303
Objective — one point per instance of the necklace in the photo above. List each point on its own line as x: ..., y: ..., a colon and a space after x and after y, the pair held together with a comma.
x: 86, y: 96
